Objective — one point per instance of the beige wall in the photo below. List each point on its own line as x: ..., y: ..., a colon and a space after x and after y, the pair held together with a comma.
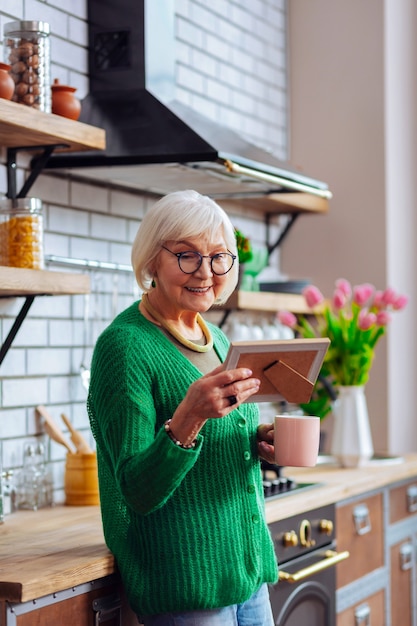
x: 353, y: 102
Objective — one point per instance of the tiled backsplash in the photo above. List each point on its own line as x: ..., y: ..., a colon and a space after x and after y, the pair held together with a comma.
x: 99, y: 223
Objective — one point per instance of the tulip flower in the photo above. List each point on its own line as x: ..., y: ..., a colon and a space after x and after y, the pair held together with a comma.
x: 366, y: 319
x: 378, y: 301
x: 339, y: 299
x: 354, y: 321
x: 383, y: 318
x: 313, y: 296
x: 344, y: 286
x: 389, y: 296
x: 362, y: 293
x: 287, y: 318
x: 400, y: 303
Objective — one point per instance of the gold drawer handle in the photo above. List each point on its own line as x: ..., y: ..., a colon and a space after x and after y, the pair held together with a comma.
x: 331, y: 558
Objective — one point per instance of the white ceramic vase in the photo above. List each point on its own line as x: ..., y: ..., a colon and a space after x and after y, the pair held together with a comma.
x: 352, y: 439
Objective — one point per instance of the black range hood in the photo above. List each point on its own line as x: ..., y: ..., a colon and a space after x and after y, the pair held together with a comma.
x: 157, y: 144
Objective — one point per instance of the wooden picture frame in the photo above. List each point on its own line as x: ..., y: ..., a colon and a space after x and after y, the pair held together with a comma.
x: 287, y: 368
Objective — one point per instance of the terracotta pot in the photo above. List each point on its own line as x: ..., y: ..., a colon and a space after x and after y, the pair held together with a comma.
x: 6, y: 82
x: 64, y: 102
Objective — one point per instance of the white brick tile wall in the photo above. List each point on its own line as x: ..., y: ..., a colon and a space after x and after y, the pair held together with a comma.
x: 85, y: 196
x: 12, y: 423
x: 230, y: 66
x: 62, y: 220
x: 34, y: 332
x: 51, y: 189
x: 24, y: 391
x: 15, y: 363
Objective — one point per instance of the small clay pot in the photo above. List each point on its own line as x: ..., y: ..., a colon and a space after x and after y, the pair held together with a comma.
x: 6, y: 82
x: 64, y: 102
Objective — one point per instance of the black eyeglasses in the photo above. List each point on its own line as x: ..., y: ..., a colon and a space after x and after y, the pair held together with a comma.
x: 190, y: 261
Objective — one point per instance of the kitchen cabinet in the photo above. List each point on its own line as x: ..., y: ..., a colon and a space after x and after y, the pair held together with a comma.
x: 402, y: 545
x: 100, y: 601
x: 360, y: 530
x: 377, y: 583
x: 371, y: 611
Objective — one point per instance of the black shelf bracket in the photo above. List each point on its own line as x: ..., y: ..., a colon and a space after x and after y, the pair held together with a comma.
x: 16, y: 326
x: 271, y: 247
x: 37, y: 166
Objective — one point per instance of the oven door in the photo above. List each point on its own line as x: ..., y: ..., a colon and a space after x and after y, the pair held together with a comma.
x: 305, y: 593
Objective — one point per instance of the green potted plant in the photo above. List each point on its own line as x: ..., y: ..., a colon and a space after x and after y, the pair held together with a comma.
x: 244, y: 247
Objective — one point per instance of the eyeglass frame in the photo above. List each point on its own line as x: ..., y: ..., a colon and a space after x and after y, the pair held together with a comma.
x: 179, y: 255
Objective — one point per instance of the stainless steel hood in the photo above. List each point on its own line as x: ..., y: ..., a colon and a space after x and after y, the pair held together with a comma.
x: 156, y: 144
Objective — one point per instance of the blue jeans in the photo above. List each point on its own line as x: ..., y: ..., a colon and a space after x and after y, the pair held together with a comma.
x: 254, y: 612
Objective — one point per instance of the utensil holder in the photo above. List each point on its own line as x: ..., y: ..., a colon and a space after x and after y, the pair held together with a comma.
x: 81, y: 480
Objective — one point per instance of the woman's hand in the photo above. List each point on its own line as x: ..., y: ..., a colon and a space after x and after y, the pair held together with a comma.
x: 212, y: 396
x: 265, y: 436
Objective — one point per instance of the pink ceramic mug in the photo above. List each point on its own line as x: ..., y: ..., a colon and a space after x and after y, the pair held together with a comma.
x: 296, y: 440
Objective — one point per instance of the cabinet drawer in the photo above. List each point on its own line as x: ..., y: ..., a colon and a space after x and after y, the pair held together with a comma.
x: 369, y: 612
x: 402, y: 557
x: 359, y: 529
x: 403, y: 501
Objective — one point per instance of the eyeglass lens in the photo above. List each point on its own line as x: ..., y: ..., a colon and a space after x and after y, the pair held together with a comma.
x: 190, y: 262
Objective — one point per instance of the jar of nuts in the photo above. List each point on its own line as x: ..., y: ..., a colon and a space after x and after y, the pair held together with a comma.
x: 21, y: 233
x: 27, y: 50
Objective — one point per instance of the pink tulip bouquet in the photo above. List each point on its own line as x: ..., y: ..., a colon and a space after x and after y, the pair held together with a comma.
x: 354, y: 320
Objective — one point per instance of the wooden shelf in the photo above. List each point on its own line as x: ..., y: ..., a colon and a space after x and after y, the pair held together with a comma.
x: 16, y: 282
x: 267, y: 301
x: 22, y: 126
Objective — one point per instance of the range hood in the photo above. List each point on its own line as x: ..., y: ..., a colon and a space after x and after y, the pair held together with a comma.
x: 157, y: 144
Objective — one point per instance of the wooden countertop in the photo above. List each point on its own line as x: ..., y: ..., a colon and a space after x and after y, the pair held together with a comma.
x: 336, y: 484
x: 53, y: 549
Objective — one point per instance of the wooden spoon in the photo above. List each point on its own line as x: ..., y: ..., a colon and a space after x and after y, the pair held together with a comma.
x: 52, y: 428
x: 76, y: 437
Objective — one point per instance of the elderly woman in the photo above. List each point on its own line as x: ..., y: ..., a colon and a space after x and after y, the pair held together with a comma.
x: 178, y: 453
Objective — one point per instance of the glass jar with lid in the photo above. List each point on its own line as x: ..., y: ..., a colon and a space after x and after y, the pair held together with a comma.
x: 27, y: 51
x: 21, y: 233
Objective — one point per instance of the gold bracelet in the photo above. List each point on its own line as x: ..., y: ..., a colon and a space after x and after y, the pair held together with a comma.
x: 186, y: 446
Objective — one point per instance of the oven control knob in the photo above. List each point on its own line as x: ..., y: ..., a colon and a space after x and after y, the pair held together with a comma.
x: 290, y: 539
x: 326, y: 526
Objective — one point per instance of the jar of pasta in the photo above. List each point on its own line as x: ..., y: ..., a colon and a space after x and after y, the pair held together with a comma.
x: 27, y: 51
x: 21, y: 233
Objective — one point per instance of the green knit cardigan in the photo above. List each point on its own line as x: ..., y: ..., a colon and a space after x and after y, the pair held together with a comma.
x: 187, y: 527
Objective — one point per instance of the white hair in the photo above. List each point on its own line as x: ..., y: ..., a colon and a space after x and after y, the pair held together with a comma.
x: 176, y: 216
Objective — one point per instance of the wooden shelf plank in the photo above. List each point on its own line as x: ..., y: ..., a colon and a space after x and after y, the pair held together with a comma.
x: 267, y: 301
x: 21, y: 125
x: 16, y: 281
x: 275, y: 203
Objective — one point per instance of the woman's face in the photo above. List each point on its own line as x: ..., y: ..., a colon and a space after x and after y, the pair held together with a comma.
x: 177, y: 291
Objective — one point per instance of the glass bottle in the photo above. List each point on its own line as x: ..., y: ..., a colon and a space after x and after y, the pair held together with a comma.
x: 27, y: 51
x: 21, y: 233
x: 28, y: 480
x: 34, y: 485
